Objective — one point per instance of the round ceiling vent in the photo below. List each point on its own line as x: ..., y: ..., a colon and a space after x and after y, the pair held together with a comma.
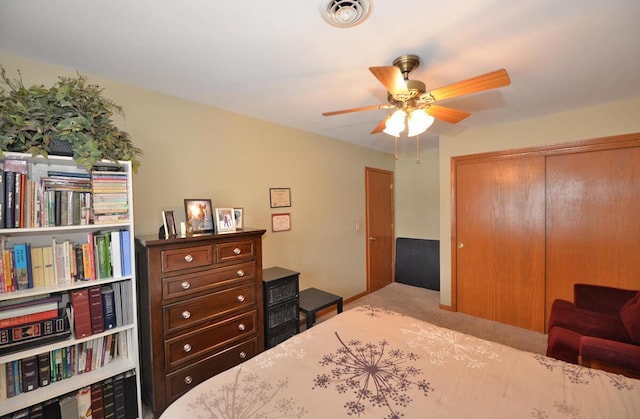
x: 345, y: 13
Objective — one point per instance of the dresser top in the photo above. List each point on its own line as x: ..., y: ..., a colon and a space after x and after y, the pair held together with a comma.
x: 151, y: 240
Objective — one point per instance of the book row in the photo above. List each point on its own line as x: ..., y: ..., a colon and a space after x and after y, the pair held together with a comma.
x: 28, y: 374
x: 104, y: 255
x: 60, y: 198
x: 99, y: 308
x: 113, y: 398
x: 92, y: 310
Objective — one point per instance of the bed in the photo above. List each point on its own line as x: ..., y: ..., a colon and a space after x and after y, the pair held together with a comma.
x: 375, y: 363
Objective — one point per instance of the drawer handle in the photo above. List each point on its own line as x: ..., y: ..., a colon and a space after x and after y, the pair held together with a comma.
x: 241, y: 327
x: 237, y: 251
x: 240, y: 272
x: 188, y: 379
x: 185, y: 285
x: 186, y: 314
x: 240, y: 298
x: 186, y: 347
x: 188, y: 258
x: 243, y: 355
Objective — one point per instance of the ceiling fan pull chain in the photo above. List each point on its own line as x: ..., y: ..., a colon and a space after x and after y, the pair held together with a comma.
x: 417, y: 149
x: 395, y: 147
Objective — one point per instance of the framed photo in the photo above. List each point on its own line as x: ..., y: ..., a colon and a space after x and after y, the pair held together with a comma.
x: 198, y: 213
x: 280, y: 222
x: 238, y: 216
x: 225, y: 221
x: 169, y: 222
x: 280, y: 197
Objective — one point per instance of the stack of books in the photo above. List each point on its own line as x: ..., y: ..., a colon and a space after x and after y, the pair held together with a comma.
x: 31, y: 323
x: 110, y: 196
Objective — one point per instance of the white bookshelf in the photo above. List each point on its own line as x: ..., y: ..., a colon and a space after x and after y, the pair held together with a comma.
x: 78, y: 234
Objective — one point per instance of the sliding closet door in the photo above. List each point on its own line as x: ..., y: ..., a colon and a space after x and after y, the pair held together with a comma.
x: 499, y: 233
x: 593, y: 228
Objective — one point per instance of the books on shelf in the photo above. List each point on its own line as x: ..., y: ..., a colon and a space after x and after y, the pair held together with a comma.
x: 81, y: 310
x: 97, y: 309
x: 30, y: 335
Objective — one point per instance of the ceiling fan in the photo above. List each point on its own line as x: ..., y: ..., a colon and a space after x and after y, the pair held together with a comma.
x: 410, y: 95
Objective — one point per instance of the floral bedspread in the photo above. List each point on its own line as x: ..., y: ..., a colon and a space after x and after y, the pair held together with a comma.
x: 373, y: 363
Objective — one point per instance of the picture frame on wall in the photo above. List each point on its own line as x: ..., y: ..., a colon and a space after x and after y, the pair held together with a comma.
x: 169, y: 222
x: 238, y: 215
x: 199, y: 215
x: 280, y: 222
x: 280, y: 197
x: 225, y: 221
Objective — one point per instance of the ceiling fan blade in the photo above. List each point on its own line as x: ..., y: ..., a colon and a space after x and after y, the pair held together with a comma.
x: 362, y: 108
x: 495, y: 79
x: 391, y: 78
x: 450, y: 115
x: 382, y: 125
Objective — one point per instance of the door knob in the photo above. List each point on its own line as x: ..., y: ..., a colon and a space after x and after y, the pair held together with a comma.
x: 372, y: 238
x: 460, y: 245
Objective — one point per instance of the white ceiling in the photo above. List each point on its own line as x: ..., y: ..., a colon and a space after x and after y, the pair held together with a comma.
x: 280, y: 61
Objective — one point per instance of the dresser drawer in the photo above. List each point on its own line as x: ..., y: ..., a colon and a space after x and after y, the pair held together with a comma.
x: 196, y: 310
x: 184, y: 285
x: 181, y: 381
x: 192, y: 345
x: 231, y: 251
x: 186, y: 258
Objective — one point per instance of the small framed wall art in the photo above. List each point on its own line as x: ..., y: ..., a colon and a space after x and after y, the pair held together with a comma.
x: 280, y: 197
x: 225, y: 222
x: 238, y: 216
x: 198, y: 213
x: 280, y: 222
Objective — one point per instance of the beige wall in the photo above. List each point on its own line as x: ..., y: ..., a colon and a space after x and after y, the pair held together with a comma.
x: 601, y: 121
x: 194, y: 151
x: 417, y: 196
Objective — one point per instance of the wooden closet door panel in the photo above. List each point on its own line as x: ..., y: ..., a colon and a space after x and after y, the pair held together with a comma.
x: 593, y: 221
x: 500, y: 240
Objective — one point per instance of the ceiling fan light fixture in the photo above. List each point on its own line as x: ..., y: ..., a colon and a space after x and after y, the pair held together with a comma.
x: 395, y: 124
x: 418, y: 121
x: 345, y: 13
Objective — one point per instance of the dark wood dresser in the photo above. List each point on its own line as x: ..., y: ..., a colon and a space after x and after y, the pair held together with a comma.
x: 200, y: 309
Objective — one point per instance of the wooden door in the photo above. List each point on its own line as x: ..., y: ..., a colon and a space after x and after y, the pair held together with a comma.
x: 593, y: 232
x: 499, y: 239
x: 379, y: 227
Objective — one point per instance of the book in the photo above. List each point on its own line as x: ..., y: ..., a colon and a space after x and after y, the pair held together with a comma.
x: 125, y: 243
x: 97, y: 407
x: 117, y: 302
x: 3, y: 381
x: 29, y: 373
x: 9, y: 193
x: 44, y: 369
x: 47, y: 260
x: 79, y: 263
x: 31, y: 335
x: 69, y: 406
x: 10, y: 379
x: 36, y: 411
x: 34, y: 306
x: 37, y: 266
x: 101, y: 253
x: 109, y: 309
x: 115, y: 253
x: 81, y: 313
x: 118, y: 397
x: 51, y: 409
x: 107, y: 397
x: 9, y: 284
x: 20, y: 265
x: 84, y: 403
x: 96, y: 309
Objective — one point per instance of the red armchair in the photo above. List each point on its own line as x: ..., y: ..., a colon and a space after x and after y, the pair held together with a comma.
x: 601, y: 329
